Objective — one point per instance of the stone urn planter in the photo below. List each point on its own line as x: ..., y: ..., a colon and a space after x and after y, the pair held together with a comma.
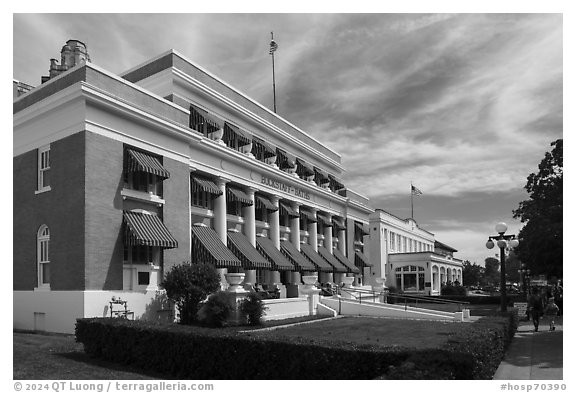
x: 347, y: 281
x: 309, y: 284
x: 235, y: 279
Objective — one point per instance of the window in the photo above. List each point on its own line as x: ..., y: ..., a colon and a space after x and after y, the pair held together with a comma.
x: 44, y: 168
x: 143, y: 278
x: 143, y: 181
x: 233, y: 208
x: 43, y: 250
x: 201, y: 199
x: 392, y: 241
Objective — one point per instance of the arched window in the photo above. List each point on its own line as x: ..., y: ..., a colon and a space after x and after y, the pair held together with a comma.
x: 43, y: 257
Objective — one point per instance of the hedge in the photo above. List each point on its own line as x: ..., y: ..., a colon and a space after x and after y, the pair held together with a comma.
x: 186, y: 352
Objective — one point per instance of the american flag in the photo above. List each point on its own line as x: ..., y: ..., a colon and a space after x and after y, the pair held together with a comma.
x: 416, y: 191
x: 273, y: 47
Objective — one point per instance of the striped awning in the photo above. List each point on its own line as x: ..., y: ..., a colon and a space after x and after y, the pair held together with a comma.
x: 320, y: 176
x: 324, y: 220
x: 287, y: 210
x: 345, y: 261
x: 298, y: 260
x: 274, y: 255
x: 339, y: 223
x: 144, y: 229
x: 364, y: 228
x: 201, y: 184
x: 285, y: 159
x: 332, y: 260
x: 315, y: 258
x: 309, y: 215
x: 360, y: 260
x: 335, y: 183
x: 203, y: 116
x: 234, y: 136
x: 239, y: 244
x: 235, y: 194
x: 262, y: 149
x: 265, y: 202
x: 137, y: 161
x: 207, y: 247
x: 304, y: 169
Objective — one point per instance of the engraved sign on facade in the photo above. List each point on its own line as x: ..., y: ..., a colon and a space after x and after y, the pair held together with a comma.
x: 285, y: 187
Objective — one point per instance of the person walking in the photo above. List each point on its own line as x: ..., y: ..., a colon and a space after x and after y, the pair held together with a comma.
x: 536, y: 305
x: 551, y: 311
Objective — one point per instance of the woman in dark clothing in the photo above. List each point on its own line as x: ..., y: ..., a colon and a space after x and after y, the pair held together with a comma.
x: 536, y: 305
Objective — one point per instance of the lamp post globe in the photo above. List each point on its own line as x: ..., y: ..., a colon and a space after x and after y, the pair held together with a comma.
x: 504, y: 242
x: 501, y: 227
x: 490, y: 244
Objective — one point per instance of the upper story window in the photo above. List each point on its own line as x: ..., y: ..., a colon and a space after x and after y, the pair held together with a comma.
x: 236, y: 138
x: 304, y: 170
x: 263, y: 151
x: 143, y: 172
x: 203, y: 122
x: 44, y: 168
x: 43, y: 257
x: 392, y: 241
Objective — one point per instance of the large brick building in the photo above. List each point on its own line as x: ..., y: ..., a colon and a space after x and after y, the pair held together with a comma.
x: 119, y: 177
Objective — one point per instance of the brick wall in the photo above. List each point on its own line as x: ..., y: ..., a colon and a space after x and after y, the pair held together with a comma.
x: 103, y: 230
x: 176, y: 211
x: 61, y: 209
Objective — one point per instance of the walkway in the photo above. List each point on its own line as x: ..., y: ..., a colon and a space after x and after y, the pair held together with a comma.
x: 533, y: 355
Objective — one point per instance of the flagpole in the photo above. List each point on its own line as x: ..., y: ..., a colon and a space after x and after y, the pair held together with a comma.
x: 412, y: 198
x: 273, y: 75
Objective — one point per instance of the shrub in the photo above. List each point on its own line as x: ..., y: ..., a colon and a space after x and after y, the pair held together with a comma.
x: 187, y: 285
x: 253, y: 308
x: 217, y: 309
x: 457, y: 290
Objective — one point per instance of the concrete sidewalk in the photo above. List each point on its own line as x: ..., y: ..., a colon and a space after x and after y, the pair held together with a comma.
x: 534, y: 355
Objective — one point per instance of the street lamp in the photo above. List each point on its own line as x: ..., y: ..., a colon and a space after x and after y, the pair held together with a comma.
x: 503, y: 241
x: 525, y: 273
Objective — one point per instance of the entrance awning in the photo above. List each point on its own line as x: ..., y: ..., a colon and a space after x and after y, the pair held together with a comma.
x: 345, y: 261
x: 239, y: 244
x: 279, y: 261
x: 297, y: 259
x: 332, y: 260
x: 236, y: 194
x: 316, y: 259
x: 200, y: 184
x: 207, y: 247
x: 137, y: 161
x: 144, y: 229
x: 360, y: 260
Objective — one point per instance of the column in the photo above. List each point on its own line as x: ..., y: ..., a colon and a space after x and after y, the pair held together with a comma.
x: 342, y: 241
x: 295, y: 239
x: 313, y: 232
x: 249, y: 229
x: 328, y: 234
x: 220, y: 210
x: 274, y: 222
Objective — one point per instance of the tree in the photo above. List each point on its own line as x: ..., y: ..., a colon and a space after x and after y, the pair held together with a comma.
x: 187, y: 285
x: 541, y: 237
x: 491, y: 271
x: 471, y: 273
x: 512, y: 266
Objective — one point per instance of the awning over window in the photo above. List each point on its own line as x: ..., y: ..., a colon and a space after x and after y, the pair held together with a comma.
x: 310, y: 217
x: 265, y: 202
x: 246, y: 252
x: 201, y: 116
x: 339, y: 223
x: 235, y: 194
x: 137, y: 161
x: 262, y: 149
x: 364, y: 228
x: 320, y: 176
x: 235, y: 136
x: 201, y: 184
x: 345, y: 261
x: 208, y: 248
x: 285, y: 159
x: 297, y: 259
x: 304, y: 169
x: 360, y: 260
x: 286, y: 209
x: 325, y: 221
x: 335, y: 183
x: 316, y: 259
x: 332, y: 260
x: 274, y: 255
x: 147, y: 230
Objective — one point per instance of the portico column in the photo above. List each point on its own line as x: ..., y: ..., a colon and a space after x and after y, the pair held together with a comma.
x: 328, y: 234
x: 249, y: 230
x: 220, y: 210
x: 342, y: 241
x: 313, y: 231
x: 274, y: 221
x: 295, y: 226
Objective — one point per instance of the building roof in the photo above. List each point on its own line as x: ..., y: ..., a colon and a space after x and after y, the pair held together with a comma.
x: 443, y: 246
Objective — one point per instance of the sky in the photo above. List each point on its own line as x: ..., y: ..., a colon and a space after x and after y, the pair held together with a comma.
x: 463, y: 105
